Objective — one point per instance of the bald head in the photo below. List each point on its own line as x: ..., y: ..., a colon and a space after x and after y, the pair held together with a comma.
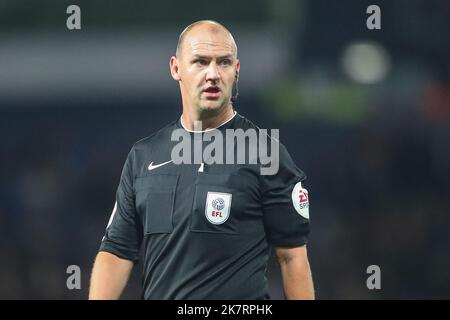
x: 209, y: 27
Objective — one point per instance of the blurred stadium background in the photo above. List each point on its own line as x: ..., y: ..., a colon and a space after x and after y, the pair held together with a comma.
x: 365, y: 113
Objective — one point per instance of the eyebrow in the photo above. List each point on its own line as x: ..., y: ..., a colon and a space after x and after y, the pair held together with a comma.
x: 197, y: 56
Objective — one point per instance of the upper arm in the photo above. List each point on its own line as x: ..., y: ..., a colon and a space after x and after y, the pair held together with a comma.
x: 123, y: 234
x: 285, y: 204
x: 121, y: 264
x: 285, y: 255
x: 109, y: 276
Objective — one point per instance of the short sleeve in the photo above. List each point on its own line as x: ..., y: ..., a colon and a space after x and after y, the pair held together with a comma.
x: 285, y: 204
x: 123, y: 234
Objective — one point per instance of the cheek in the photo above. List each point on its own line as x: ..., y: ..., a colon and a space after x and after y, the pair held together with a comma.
x: 194, y: 79
x: 230, y: 83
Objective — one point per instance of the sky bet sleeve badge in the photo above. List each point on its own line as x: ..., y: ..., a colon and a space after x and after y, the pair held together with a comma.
x: 300, y: 200
x: 218, y: 207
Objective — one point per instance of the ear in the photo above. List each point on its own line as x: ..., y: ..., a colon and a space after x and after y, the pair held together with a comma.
x: 174, y: 68
x: 238, y: 67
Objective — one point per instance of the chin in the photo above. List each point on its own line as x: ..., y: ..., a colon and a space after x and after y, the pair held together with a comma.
x: 212, y: 106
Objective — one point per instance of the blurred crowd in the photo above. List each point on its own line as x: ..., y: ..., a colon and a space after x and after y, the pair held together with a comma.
x: 379, y: 195
x: 365, y: 113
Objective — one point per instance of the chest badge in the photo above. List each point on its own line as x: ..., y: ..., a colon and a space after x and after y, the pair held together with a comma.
x: 217, y: 208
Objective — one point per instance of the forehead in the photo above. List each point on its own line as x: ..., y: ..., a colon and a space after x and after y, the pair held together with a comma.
x: 208, y: 42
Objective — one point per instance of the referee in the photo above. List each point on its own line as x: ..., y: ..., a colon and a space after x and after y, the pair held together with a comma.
x: 205, y: 230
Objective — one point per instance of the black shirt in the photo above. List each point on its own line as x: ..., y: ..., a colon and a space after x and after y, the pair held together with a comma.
x: 206, y: 230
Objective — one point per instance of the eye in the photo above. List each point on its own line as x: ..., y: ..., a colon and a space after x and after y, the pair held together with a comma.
x: 201, y: 62
x: 225, y: 62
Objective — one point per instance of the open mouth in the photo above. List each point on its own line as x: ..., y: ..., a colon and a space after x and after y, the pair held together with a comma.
x: 212, y: 92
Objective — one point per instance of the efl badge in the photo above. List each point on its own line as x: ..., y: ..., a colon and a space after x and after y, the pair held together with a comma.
x: 218, y: 207
x: 300, y: 200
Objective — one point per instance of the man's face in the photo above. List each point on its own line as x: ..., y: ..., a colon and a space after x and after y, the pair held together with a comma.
x: 207, y: 67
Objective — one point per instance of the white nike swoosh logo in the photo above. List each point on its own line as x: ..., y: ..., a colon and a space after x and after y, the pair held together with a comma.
x: 151, y: 166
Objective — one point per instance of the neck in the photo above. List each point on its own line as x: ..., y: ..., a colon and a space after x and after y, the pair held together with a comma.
x: 208, y: 122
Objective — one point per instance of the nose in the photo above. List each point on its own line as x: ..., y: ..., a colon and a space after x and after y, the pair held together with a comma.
x: 212, y: 73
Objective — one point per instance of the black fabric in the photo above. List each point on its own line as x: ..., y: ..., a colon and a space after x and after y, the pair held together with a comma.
x: 185, y: 255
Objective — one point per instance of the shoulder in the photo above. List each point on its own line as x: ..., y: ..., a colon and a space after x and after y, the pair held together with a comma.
x: 271, y: 135
x: 242, y: 122
x: 269, y: 139
x: 156, y: 137
x: 156, y: 143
